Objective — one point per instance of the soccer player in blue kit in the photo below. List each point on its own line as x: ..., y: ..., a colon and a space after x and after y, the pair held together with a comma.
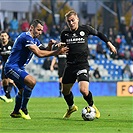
x: 25, y: 45
x: 76, y: 38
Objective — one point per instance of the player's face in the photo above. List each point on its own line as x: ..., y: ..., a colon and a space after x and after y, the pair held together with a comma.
x: 37, y: 31
x: 72, y: 22
x: 4, y: 37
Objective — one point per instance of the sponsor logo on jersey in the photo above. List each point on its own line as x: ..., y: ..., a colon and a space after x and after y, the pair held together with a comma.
x: 75, y: 40
x: 66, y: 34
x: 74, y: 35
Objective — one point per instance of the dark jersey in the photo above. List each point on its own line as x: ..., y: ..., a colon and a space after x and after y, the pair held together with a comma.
x: 5, y: 51
x: 77, y: 42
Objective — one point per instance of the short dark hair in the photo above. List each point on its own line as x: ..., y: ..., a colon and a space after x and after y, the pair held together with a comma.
x: 35, y: 22
x: 3, y: 31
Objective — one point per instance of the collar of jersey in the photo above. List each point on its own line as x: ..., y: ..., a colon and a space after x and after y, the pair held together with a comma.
x: 28, y: 33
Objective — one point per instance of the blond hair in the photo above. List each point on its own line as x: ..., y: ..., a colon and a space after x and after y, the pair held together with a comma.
x: 70, y: 13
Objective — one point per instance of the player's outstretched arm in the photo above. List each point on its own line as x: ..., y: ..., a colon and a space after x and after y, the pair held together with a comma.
x: 44, y: 53
x: 106, y: 40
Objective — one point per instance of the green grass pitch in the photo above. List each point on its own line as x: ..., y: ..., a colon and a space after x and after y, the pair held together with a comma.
x: 46, y: 114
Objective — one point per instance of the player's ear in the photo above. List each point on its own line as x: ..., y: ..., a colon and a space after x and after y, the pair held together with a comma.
x: 78, y: 18
x: 31, y: 27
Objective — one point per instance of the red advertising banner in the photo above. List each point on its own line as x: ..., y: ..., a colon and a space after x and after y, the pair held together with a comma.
x: 124, y: 88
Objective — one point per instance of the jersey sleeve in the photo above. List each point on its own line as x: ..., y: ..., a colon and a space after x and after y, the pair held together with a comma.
x: 91, y: 30
x: 63, y: 39
x: 30, y: 41
x: 38, y: 42
x: 95, y: 32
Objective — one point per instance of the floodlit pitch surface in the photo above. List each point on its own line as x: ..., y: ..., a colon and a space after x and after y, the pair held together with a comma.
x: 46, y: 114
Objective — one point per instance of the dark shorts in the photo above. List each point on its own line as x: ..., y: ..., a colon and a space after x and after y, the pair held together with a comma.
x: 76, y: 72
x: 61, y: 69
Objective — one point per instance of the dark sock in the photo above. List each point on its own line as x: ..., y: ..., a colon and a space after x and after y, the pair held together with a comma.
x: 18, y: 100
x: 8, y: 91
x: 5, y: 89
x: 89, y: 99
x: 69, y: 99
x: 60, y: 88
x: 25, y: 111
x: 25, y: 97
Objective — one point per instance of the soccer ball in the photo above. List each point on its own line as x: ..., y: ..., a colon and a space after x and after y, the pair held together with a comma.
x: 88, y: 113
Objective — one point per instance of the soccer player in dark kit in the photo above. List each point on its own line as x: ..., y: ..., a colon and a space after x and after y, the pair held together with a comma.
x: 76, y: 39
x: 5, y: 49
x: 61, y: 59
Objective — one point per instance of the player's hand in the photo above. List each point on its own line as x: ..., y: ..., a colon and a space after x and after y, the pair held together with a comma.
x: 63, y: 50
x: 112, y: 48
x: 60, y: 44
x: 51, y: 42
x: 51, y: 68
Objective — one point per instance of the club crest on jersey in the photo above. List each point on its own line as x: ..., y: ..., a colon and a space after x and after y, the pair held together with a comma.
x: 82, y: 33
x: 9, y: 47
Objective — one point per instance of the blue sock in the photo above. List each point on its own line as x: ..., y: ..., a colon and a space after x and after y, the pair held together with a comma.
x: 25, y: 97
x: 18, y: 101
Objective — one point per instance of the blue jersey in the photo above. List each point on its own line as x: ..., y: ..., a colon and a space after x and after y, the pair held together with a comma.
x: 21, y: 54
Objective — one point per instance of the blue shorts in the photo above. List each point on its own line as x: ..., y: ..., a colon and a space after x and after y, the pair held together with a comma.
x: 17, y: 75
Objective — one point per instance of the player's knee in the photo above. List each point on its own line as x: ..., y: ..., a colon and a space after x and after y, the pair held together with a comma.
x: 84, y: 91
x: 65, y: 92
x: 32, y: 83
x: 10, y: 81
x: 66, y: 89
x: 4, y: 81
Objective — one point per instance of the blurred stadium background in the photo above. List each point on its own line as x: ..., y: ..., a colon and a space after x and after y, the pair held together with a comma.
x: 112, y: 17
